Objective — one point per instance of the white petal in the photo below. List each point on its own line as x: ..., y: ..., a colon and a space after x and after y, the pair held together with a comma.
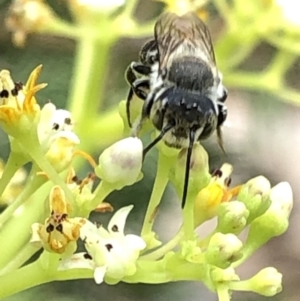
x: 99, y: 274
x: 77, y: 261
x: 135, y: 242
x: 88, y: 229
x: 44, y: 125
x: 117, y: 223
x: 68, y: 135
x: 62, y: 119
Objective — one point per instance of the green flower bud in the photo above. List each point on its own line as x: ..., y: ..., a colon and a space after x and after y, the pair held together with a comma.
x: 223, y: 250
x: 120, y: 164
x: 274, y: 221
x: 219, y: 276
x: 232, y: 217
x: 199, y: 170
x: 255, y: 195
x: 151, y: 240
x: 267, y: 282
x: 191, y: 252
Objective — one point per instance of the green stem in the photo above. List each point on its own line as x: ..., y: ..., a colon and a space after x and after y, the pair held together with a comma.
x: 31, y: 145
x: 169, y: 246
x: 223, y: 293
x: 168, y: 270
x: 160, y: 183
x: 34, y: 183
x: 33, y: 275
x: 130, y: 7
x: 232, y: 48
x: 61, y: 28
x: 14, y: 162
x: 280, y: 64
x: 188, y: 217
x: 224, y: 10
x: 140, y: 30
x: 101, y: 192
x: 16, y: 231
x: 243, y: 286
x: 23, y: 255
x: 252, y: 81
x: 111, y: 117
x: 87, y: 86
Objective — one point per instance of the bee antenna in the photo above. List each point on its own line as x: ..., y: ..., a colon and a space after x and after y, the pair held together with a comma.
x: 220, y: 140
x: 128, y: 102
x: 187, y: 167
x: 157, y: 139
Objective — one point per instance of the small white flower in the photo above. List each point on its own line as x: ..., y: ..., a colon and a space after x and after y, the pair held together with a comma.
x: 56, y: 136
x: 290, y: 10
x: 55, y: 123
x: 121, y: 163
x: 109, y: 252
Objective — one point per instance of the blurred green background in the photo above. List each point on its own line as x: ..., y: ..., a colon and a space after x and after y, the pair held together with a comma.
x: 262, y: 136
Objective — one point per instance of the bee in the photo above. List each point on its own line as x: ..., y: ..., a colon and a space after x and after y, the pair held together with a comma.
x: 180, y: 84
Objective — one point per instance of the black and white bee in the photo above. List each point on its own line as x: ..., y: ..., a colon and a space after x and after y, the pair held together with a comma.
x: 180, y: 84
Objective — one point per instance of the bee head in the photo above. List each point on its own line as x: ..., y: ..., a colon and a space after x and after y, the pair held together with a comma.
x: 186, y: 110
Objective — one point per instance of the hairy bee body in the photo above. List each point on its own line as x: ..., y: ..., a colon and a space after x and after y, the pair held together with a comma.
x: 180, y: 84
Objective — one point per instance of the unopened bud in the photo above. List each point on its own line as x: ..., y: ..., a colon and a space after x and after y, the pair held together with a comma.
x: 255, y: 194
x: 267, y: 282
x: 223, y: 250
x: 232, y: 217
x: 274, y: 221
x: 121, y: 163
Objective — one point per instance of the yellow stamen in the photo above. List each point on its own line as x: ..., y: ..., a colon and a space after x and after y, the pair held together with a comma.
x: 85, y: 156
x: 104, y: 207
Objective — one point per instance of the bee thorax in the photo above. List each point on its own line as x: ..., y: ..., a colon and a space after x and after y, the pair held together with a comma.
x: 191, y: 73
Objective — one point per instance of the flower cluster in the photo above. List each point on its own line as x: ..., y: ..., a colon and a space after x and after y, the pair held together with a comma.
x: 46, y: 137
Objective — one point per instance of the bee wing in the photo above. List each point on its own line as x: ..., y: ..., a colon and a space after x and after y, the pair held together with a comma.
x: 183, y: 34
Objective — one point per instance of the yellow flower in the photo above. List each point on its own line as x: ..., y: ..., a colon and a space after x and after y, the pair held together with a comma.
x: 59, y: 233
x: 216, y: 192
x: 18, y: 106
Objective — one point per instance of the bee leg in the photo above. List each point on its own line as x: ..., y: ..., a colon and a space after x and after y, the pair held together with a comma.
x: 149, y: 53
x: 138, y: 88
x: 187, y: 167
x: 140, y: 68
x: 224, y: 96
x: 221, y: 119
